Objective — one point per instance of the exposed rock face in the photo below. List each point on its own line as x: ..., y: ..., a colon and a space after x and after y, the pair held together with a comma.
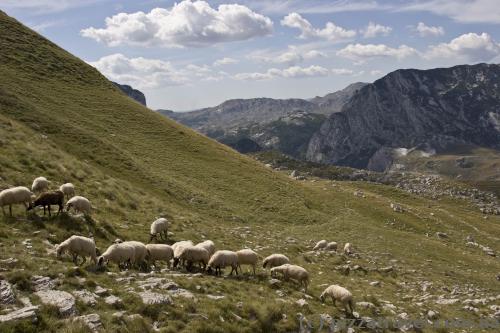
x: 6, y: 293
x: 28, y: 312
x: 334, y: 102
x: 63, y: 300
x: 132, y: 93
x: 413, y: 108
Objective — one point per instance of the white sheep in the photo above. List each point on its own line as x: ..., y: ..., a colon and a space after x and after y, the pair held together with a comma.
x: 194, y: 254
x: 68, y: 189
x: 78, y: 246
x: 320, y: 245
x: 15, y: 195
x: 207, y: 245
x: 274, y: 260
x: 331, y: 246
x: 79, y: 204
x: 120, y: 254
x: 40, y: 184
x: 247, y: 257
x: 159, y: 227
x: 348, y: 250
x: 161, y: 252
x: 338, y: 293
x: 221, y: 259
x: 140, y: 253
x: 293, y: 272
x: 177, y: 248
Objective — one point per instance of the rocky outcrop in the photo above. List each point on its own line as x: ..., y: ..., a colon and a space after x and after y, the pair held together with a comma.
x: 132, y: 93
x: 411, y: 108
x: 63, y: 300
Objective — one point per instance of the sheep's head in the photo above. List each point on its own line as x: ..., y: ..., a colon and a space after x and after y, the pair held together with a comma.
x: 322, y: 297
x: 264, y: 264
x: 210, y: 269
x: 100, y: 261
x: 176, y: 262
x: 59, y: 251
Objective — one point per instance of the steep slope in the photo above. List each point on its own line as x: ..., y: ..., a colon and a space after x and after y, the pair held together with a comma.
x: 430, y: 109
x: 132, y: 93
x: 62, y: 119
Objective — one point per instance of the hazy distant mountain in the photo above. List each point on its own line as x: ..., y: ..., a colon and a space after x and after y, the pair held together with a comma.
x: 431, y: 109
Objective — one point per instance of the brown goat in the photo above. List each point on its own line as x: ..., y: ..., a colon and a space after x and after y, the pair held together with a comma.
x: 47, y: 199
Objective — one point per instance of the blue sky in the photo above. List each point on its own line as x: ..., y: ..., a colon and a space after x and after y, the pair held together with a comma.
x: 190, y: 54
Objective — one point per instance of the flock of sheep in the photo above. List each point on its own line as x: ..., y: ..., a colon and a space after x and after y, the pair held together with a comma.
x: 128, y: 254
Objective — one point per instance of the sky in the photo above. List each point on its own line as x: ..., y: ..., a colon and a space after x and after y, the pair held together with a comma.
x: 190, y: 54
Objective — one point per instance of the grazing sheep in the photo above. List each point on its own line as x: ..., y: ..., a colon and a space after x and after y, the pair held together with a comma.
x: 348, y: 250
x: 15, y: 195
x: 221, y: 259
x: 118, y: 253
x: 79, y: 204
x: 140, y: 254
x: 161, y: 252
x: 293, y: 272
x: 207, y: 245
x: 46, y: 199
x: 338, y: 293
x: 247, y: 257
x: 78, y: 246
x: 68, y: 189
x: 159, y: 226
x: 40, y: 185
x: 194, y: 254
x: 177, y: 248
x: 332, y: 246
x: 274, y: 260
x: 320, y: 245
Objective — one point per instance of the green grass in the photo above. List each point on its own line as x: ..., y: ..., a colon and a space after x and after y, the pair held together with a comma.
x: 60, y: 118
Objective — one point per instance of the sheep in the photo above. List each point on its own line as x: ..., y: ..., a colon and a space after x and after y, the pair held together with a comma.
x: 68, y: 189
x: 293, y: 272
x: 247, y: 257
x: 118, y: 253
x: 40, y: 184
x: 338, y: 293
x: 194, y: 254
x: 177, y: 248
x: 221, y: 259
x: 159, y: 226
x: 207, y: 245
x: 15, y: 195
x: 331, y: 246
x: 274, y: 260
x: 161, y: 252
x: 79, y: 204
x: 140, y: 254
x: 46, y: 199
x: 78, y: 246
x: 320, y: 245
x: 348, y: 249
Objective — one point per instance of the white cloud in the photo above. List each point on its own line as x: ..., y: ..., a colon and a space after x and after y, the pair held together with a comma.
x: 290, y: 72
x: 291, y: 56
x: 342, y: 71
x: 467, y: 47
x: 46, y: 6
x: 361, y: 52
x: 376, y: 72
x: 188, y: 23
x: 139, y: 72
x: 330, y: 32
x: 315, y: 6
x: 424, y: 30
x: 225, y: 61
x: 373, y: 30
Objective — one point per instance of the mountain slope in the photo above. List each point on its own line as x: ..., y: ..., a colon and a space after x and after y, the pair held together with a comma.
x: 431, y: 109
x: 62, y: 119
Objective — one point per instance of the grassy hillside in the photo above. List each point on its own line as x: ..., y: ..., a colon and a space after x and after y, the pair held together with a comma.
x: 60, y: 118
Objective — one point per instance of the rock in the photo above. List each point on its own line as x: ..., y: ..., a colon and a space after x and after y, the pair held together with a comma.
x: 149, y: 297
x: 275, y: 283
x: 87, y: 297
x: 365, y: 305
x: 470, y: 239
x: 397, y: 207
x: 92, y: 321
x: 119, y: 314
x: 432, y: 315
x: 471, y: 308
x: 63, y: 300
x: 100, y: 291
x: 386, y: 269
x: 112, y: 300
x: 216, y: 297
x: 132, y: 93
x: 181, y: 293
x: 28, y: 312
x: 445, y: 301
x: 9, y: 261
x: 301, y: 302
x: 440, y: 234
x: 42, y: 283
x: 6, y: 293
x: 375, y: 283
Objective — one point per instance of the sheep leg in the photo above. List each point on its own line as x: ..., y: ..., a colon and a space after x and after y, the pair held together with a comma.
x: 334, y: 302
x: 49, y: 210
x: 75, y: 258
x: 60, y: 209
x: 3, y: 210
x: 10, y: 210
x: 84, y: 260
x: 254, y: 270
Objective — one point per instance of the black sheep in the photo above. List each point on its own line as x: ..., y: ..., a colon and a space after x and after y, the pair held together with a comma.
x: 47, y: 199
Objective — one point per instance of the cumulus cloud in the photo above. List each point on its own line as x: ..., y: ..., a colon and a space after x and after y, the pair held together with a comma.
x: 374, y: 30
x: 225, y: 61
x: 468, y: 47
x: 330, y: 32
x: 290, y: 72
x: 376, y: 72
x: 424, y: 30
x: 186, y: 24
x: 342, y: 71
x: 291, y: 56
x: 362, y: 52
